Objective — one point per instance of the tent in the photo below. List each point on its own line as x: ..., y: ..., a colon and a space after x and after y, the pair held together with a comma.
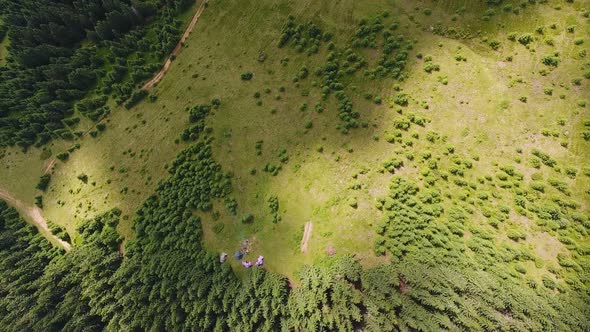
x: 238, y: 255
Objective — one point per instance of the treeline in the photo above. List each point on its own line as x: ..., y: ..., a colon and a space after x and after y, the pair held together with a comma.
x: 41, y: 289
x: 168, y: 281
x: 59, y: 51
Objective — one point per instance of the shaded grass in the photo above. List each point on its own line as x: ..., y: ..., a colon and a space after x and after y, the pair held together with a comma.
x: 3, y: 51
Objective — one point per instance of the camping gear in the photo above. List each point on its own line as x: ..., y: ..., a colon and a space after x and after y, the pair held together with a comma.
x: 260, y: 261
x: 239, y: 255
x: 222, y: 257
x: 247, y: 264
x: 245, y: 246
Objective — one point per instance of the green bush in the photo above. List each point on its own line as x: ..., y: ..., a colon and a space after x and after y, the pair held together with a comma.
x: 63, y: 156
x: 39, y: 201
x: 525, y: 39
x: 246, y: 76
x: 247, y: 218
x: 135, y: 98
x: 571, y: 172
x: 83, y: 177
x: 550, y: 60
x: 549, y: 282
x: 44, y: 182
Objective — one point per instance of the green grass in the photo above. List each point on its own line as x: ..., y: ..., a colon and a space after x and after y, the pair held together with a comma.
x: 478, y: 112
x: 3, y: 51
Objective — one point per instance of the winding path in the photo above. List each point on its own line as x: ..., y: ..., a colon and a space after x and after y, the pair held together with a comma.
x: 177, y: 49
x: 34, y: 213
x: 35, y: 216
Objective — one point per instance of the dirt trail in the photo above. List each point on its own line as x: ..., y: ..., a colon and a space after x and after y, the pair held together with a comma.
x: 177, y: 49
x: 34, y: 213
x: 49, y: 166
x: 306, y: 236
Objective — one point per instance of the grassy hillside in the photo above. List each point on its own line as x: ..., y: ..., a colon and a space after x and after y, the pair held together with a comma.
x: 491, y: 103
x: 438, y: 149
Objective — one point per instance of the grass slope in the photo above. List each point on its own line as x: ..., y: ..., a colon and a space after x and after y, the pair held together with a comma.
x: 478, y: 112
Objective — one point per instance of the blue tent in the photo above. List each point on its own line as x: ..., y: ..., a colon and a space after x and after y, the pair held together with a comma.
x: 238, y: 255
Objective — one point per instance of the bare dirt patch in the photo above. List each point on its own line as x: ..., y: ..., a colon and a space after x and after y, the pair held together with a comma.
x: 546, y: 246
x: 177, y: 49
x: 306, y: 236
x: 49, y: 166
x: 34, y: 214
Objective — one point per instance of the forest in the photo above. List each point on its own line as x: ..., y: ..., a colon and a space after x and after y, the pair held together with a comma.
x: 453, y: 227
x: 52, y: 72
x: 168, y: 281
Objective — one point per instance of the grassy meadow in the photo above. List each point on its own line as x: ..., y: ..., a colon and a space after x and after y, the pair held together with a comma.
x: 490, y: 105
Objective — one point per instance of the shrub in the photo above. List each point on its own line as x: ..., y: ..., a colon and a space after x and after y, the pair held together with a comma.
x: 401, y: 99
x: 247, y: 218
x: 392, y: 164
x: 273, y: 204
x: 43, y: 182
x: 63, y: 156
x: 39, y: 201
x: 545, y: 158
x: 515, y: 235
x: 246, y: 76
x: 550, y: 60
x: 512, y: 36
x: 83, y: 177
x: 429, y: 67
x: 303, y: 73
x: 538, y: 186
x: 525, y: 39
x: 402, y: 122
x: 520, y: 269
x: 559, y: 185
x: 571, y: 172
x: 135, y: 98
x: 548, y: 282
